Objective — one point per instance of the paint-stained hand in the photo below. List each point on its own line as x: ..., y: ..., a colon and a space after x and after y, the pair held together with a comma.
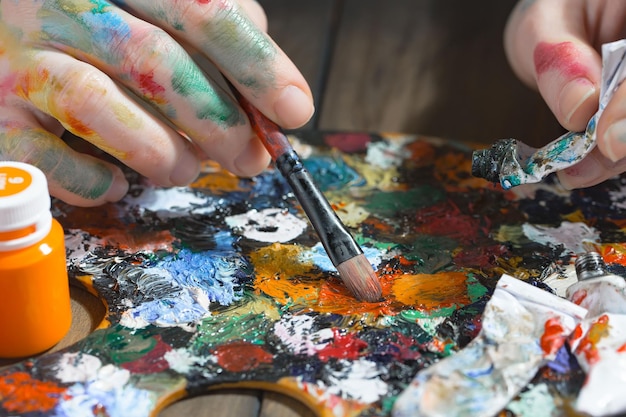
x: 131, y: 77
x: 555, y: 46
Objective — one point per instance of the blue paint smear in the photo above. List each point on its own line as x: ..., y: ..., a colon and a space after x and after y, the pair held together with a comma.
x: 214, y: 272
x: 332, y: 173
x: 320, y: 258
x: 124, y: 401
x: 193, y: 277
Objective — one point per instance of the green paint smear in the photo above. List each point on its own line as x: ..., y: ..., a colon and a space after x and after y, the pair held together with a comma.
x: 120, y: 344
x: 412, y: 316
x: 223, y: 328
x: 241, y: 49
x: 475, y: 290
x: 210, y: 103
x: 87, y: 178
x: 393, y: 204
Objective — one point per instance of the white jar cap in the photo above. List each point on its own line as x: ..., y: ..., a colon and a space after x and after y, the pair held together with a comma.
x: 24, y: 198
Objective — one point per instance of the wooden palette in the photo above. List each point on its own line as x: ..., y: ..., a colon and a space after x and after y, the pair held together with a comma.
x: 225, y: 284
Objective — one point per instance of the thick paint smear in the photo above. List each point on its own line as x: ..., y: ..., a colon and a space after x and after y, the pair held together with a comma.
x: 193, y: 301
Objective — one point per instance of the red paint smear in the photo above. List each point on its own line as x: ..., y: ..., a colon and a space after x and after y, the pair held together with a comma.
x: 20, y: 393
x: 203, y: 1
x: 422, y: 153
x: 553, y: 336
x: 153, y: 361
x: 563, y: 57
x: 587, y: 345
x: 622, y: 348
x: 403, y: 346
x: 445, y: 219
x: 348, y: 142
x: 346, y: 346
x: 480, y: 257
x: 149, y: 87
x: 241, y: 356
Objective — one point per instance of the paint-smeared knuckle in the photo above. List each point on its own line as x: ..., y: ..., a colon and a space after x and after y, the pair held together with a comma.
x: 78, y: 94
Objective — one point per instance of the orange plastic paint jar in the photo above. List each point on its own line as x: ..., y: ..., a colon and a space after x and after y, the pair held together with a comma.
x: 35, y: 309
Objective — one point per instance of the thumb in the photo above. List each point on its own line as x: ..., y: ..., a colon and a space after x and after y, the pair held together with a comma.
x: 547, y: 47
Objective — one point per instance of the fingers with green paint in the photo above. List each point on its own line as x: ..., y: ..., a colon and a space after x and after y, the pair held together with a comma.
x: 120, y: 78
x: 230, y: 35
x: 76, y: 178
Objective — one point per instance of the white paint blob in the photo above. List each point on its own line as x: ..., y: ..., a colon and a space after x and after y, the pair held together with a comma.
x: 268, y: 225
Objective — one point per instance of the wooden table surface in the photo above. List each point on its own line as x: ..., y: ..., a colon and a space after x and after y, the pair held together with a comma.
x: 429, y: 67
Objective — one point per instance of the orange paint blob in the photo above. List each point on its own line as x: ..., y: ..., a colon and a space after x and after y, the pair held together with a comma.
x: 20, y: 393
x: 217, y: 179
x: 431, y: 292
x: 131, y: 240
x: 588, y: 344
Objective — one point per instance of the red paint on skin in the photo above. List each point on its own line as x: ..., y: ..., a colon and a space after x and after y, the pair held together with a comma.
x: 149, y: 87
x: 346, y: 346
x: 203, y: 1
x: 241, y: 356
x: 20, y: 393
x: 563, y: 57
x: 153, y: 361
x: 552, y: 338
x: 7, y: 84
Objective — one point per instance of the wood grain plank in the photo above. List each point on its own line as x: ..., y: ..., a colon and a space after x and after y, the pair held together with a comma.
x: 279, y: 405
x: 234, y: 403
x: 430, y: 67
x: 304, y: 30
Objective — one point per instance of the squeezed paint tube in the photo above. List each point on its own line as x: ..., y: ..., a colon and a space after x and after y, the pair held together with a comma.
x: 511, y: 162
x: 599, y: 341
x: 523, y: 327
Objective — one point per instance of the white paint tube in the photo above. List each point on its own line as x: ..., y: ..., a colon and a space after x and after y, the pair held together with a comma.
x: 599, y: 341
x: 523, y: 327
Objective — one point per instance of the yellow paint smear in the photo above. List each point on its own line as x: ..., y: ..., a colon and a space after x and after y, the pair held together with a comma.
x: 283, y: 276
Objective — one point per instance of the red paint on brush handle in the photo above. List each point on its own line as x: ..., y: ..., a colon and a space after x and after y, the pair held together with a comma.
x: 272, y: 136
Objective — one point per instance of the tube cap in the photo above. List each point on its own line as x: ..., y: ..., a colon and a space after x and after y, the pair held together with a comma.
x: 24, y: 197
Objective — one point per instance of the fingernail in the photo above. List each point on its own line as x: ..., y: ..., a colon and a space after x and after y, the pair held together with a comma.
x: 118, y: 188
x: 575, y: 97
x: 187, y: 169
x: 252, y: 160
x: 615, y: 141
x: 583, y: 174
x: 293, y: 107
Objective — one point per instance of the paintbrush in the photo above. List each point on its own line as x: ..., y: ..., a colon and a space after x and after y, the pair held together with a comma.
x: 354, y: 269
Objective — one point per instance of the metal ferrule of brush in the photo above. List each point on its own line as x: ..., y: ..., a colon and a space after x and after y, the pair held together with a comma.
x: 339, y: 244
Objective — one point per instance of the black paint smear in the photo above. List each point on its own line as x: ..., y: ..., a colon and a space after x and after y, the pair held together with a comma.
x: 464, y: 324
x: 546, y: 208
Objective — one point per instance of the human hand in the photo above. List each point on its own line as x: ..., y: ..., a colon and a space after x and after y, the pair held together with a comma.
x: 554, y: 46
x: 129, y: 77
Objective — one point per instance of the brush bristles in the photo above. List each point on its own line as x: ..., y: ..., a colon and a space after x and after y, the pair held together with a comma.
x: 358, y: 275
